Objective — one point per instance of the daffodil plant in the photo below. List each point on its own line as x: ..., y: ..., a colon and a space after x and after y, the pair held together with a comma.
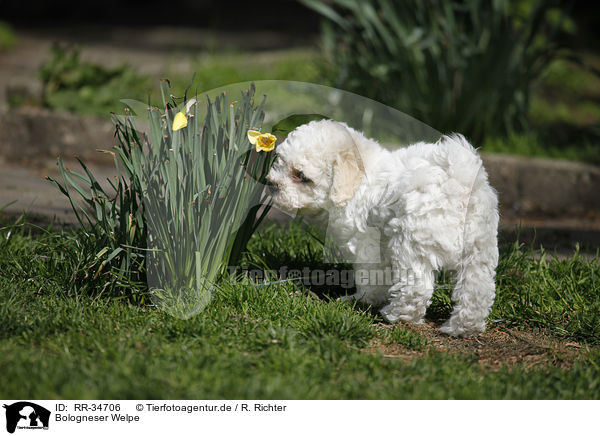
x: 189, y: 190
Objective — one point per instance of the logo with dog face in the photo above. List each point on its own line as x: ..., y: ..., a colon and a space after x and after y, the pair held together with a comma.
x: 26, y: 415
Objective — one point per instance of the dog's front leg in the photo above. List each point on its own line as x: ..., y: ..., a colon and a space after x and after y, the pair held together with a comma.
x: 371, y: 272
x: 411, y: 295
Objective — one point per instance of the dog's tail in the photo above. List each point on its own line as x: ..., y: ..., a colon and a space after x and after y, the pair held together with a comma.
x: 459, y: 140
x: 459, y: 158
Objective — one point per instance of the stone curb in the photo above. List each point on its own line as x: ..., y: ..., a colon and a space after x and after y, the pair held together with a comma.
x: 544, y: 187
x: 32, y: 136
x: 528, y: 187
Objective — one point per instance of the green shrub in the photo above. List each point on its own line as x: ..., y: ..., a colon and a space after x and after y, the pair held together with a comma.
x: 7, y: 36
x: 462, y: 66
x: 73, y: 85
x: 216, y: 70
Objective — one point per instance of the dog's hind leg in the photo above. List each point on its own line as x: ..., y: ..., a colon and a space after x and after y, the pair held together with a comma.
x: 474, y: 292
x: 473, y: 297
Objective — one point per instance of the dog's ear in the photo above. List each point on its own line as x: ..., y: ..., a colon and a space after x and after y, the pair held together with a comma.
x: 347, y: 175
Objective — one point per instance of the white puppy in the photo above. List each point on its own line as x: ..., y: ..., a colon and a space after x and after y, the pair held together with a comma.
x: 413, y: 211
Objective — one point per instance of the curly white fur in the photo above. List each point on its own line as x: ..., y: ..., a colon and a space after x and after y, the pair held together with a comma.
x: 418, y: 209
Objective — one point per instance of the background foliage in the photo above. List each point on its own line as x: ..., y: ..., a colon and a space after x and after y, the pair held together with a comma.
x: 464, y: 66
x: 71, y: 84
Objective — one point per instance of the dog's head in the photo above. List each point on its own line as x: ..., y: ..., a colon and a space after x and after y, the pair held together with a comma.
x: 317, y: 167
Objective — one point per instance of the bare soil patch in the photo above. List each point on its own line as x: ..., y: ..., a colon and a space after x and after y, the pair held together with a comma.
x: 498, y: 347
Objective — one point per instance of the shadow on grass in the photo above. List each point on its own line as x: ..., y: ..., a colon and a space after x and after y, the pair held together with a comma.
x: 298, y: 247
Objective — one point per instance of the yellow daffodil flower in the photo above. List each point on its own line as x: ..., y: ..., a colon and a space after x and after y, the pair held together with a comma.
x: 180, y: 121
x: 262, y: 141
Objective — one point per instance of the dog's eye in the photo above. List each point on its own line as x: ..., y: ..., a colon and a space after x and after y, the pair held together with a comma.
x: 299, y: 177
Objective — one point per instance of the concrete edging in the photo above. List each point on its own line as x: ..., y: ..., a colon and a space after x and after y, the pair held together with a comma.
x: 527, y: 186
x: 544, y: 187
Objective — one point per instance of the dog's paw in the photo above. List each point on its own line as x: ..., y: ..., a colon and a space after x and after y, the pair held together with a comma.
x: 462, y: 330
x: 394, y: 314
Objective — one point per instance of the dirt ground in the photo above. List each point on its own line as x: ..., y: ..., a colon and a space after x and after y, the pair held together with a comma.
x: 499, y: 346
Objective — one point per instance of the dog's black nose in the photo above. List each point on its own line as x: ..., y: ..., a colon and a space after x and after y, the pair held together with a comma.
x: 272, y: 187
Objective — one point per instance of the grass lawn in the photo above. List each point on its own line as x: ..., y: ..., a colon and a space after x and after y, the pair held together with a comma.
x: 61, y: 338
